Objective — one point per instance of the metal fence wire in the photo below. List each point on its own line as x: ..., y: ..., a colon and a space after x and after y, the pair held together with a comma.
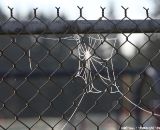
x: 59, y: 74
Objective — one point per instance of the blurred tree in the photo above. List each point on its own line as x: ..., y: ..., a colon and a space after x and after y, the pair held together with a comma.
x: 156, y: 4
x: 3, y: 17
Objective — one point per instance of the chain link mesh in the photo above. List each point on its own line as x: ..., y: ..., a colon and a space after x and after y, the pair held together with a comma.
x: 100, y: 74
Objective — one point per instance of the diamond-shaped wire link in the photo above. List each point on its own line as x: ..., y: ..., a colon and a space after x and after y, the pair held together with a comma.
x: 79, y: 74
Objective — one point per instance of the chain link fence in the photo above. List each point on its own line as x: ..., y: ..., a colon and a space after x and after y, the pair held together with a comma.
x: 59, y: 74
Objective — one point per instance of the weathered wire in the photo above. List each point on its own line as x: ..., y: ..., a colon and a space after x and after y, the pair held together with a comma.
x: 40, y: 63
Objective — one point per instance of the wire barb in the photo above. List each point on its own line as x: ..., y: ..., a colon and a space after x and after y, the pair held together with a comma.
x: 80, y: 9
x: 35, y: 12
x: 58, y: 8
x: 125, y: 11
x: 103, y: 8
x: 11, y: 11
x: 147, y: 11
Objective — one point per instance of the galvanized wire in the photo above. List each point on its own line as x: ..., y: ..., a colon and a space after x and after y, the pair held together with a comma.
x: 52, y: 71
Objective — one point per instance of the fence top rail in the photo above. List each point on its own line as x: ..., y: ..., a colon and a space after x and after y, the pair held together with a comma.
x: 80, y: 26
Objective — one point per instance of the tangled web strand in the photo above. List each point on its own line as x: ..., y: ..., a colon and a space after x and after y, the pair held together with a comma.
x: 87, y: 64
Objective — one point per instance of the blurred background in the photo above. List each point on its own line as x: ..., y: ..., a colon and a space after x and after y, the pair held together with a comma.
x: 42, y: 97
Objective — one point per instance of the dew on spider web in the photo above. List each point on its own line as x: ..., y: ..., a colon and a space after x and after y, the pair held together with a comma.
x: 87, y: 67
x: 88, y: 62
x: 29, y: 59
x: 91, y: 63
x: 87, y: 55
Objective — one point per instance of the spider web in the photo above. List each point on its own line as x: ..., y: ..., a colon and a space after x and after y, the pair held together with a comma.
x: 88, y: 62
x: 87, y: 68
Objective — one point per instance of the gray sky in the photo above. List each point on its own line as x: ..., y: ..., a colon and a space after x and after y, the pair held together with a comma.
x: 69, y: 7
